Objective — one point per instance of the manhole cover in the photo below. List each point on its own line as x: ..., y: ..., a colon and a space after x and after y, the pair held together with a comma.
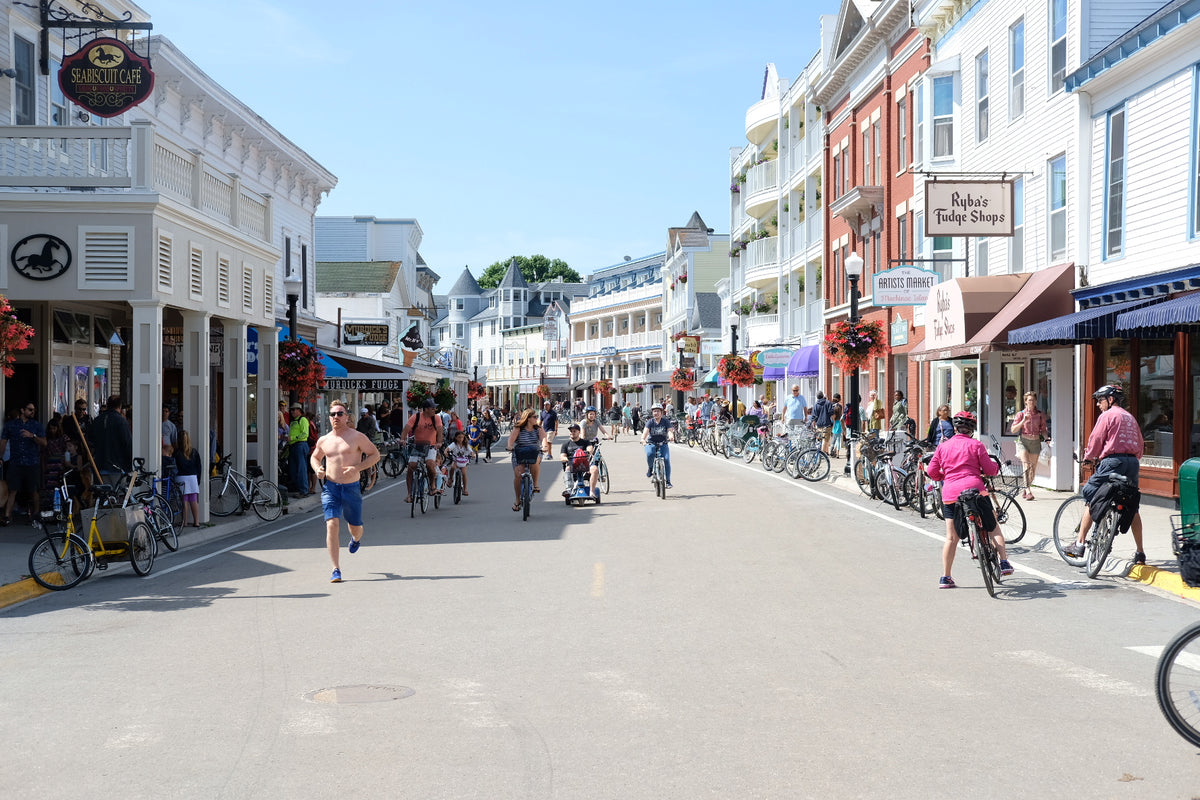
x: 361, y: 693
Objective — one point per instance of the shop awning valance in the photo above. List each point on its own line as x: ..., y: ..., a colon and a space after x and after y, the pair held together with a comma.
x: 1174, y: 313
x: 654, y: 377
x: 805, y: 362
x: 1082, y: 326
x: 710, y: 380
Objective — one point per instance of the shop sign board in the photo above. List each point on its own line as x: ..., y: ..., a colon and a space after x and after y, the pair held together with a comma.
x: 969, y: 208
x: 903, y: 286
x: 366, y: 334
x: 775, y: 357
x: 106, y: 77
x: 898, y: 335
x: 608, y: 351
x: 365, y: 383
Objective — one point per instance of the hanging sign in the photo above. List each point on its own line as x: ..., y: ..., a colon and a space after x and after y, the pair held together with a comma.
x: 969, y: 208
x: 106, y: 77
x: 359, y: 333
x: 903, y: 286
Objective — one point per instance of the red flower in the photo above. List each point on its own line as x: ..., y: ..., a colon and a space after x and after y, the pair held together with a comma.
x: 543, y: 391
x: 851, y: 345
x: 300, y: 369
x: 736, y: 370
x: 683, y: 380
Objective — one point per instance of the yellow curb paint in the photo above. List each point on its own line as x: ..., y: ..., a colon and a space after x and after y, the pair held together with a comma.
x: 13, y: 593
x: 1163, y: 579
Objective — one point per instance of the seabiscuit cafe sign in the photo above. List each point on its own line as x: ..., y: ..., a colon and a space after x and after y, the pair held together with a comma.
x: 106, y: 77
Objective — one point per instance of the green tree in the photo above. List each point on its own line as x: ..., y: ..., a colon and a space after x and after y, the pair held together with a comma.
x: 534, y: 269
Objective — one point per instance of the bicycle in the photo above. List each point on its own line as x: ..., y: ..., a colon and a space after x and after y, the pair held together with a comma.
x: 602, y: 482
x: 658, y: 472
x: 416, y: 453
x: 158, y: 514
x: 1177, y: 684
x: 393, y: 462
x: 62, y: 559
x: 889, y: 482
x: 1066, y: 528
x: 811, y: 464
x: 231, y: 491
x: 526, y: 492
x: 982, y: 548
x: 1010, y: 517
x: 1122, y: 504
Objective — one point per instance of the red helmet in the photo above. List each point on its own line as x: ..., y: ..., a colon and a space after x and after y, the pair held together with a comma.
x: 964, y: 421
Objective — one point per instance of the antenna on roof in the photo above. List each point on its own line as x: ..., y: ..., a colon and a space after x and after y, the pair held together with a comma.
x: 627, y: 258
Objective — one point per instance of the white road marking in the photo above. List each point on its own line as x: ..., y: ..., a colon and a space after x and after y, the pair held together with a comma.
x: 1190, y: 660
x: 1081, y: 676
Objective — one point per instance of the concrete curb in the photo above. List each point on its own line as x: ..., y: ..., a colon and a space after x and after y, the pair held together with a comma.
x: 1164, y: 580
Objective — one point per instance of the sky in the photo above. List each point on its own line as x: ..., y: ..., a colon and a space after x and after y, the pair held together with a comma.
x: 577, y: 131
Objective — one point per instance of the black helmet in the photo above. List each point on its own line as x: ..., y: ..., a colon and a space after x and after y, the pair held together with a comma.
x: 964, y: 422
x: 1112, y: 392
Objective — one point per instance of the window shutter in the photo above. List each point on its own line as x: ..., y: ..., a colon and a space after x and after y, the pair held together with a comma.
x: 106, y: 258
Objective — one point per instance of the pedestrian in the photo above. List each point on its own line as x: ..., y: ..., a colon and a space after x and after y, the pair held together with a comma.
x: 111, y: 442
x: 839, y: 428
x: 795, y: 409
x: 281, y: 423
x: 899, y: 423
x: 627, y: 417
x: 170, y: 434
x: 549, y: 422
x: 823, y: 418
x: 298, y: 452
x: 27, y: 437
x: 366, y: 424
x: 77, y: 428
x: 490, y: 432
x: 940, y: 427
x: 338, y: 459
x: 190, y: 466
x: 1031, y: 429
x: 614, y: 419
x: 875, y: 412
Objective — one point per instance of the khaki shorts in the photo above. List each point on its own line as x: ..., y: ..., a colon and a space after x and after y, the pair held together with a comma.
x: 1029, y: 444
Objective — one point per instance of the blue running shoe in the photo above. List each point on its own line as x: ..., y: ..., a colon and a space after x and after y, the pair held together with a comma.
x: 669, y: 486
x: 947, y: 583
x: 354, y: 543
x: 1005, y: 567
x: 336, y: 577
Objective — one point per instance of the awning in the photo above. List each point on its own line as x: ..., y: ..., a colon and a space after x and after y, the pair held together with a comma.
x: 333, y: 369
x: 710, y: 380
x: 1043, y: 295
x: 1173, y: 313
x: 805, y: 363
x: 655, y: 377
x: 1082, y: 326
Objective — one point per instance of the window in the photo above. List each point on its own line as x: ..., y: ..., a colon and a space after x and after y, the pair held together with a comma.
x: 1114, y: 195
x: 1057, y: 170
x: 902, y: 130
x: 58, y: 101
x: 943, y: 253
x: 459, y: 331
x: 866, y: 157
x: 1016, y: 69
x: 1016, y: 254
x: 918, y: 153
x: 981, y: 97
x: 837, y: 175
x: 493, y: 326
x: 981, y: 257
x: 25, y: 87
x: 459, y: 304
x: 902, y: 235
x: 1058, y: 45
x: 943, y: 116
x: 877, y: 141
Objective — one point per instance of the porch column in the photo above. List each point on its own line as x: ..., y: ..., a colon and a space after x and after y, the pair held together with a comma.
x: 268, y: 400
x: 234, y: 359
x: 197, y: 388
x: 147, y: 400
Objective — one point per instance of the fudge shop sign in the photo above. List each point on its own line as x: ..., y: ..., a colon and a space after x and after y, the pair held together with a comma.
x: 106, y: 77
x: 969, y: 208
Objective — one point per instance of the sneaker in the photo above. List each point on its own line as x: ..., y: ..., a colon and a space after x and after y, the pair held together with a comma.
x: 1139, y: 557
x: 647, y: 474
x: 1074, y: 549
x: 596, y: 494
x: 1005, y: 567
x: 354, y: 544
x: 947, y: 582
x: 336, y: 577
x: 669, y: 486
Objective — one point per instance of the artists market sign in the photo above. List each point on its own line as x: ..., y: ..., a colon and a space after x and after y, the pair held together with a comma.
x: 903, y: 286
x: 105, y: 77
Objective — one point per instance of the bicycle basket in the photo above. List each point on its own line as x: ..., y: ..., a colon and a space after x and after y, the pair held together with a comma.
x: 1185, y: 540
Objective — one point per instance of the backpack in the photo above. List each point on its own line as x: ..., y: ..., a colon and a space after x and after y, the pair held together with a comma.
x: 312, y: 435
x: 821, y: 414
x: 846, y: 416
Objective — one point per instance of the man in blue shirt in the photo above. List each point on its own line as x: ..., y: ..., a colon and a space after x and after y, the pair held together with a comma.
x: 24, y: 473
x: 655, y: 435
x: 795, y: 410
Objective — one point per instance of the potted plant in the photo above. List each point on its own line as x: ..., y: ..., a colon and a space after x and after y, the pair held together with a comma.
x: 543, y: 391
x: 683, y: 380
x: 416, y: 394
x: 15, y: 336
x: 300, y: 369
x: 475, y: 390
x: 851, y: 345
x: 736, y: 370
x: 604, y: 386
x: 445, y: 397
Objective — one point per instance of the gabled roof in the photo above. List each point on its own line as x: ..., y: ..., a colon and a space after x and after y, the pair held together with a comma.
x: 356, y: 276
x: 513, y: 279
x: 706, y: 313
x: 465, y: 286
x: 694, y: 234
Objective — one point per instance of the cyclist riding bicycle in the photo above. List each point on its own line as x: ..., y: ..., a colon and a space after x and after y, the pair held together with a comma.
x: 425, y: 427
x: 459, y: 453
x: 1115, y: 446
x: 958, y: 463
x: 574, y: 456
x: 655, y: 436
x: 592, y: 427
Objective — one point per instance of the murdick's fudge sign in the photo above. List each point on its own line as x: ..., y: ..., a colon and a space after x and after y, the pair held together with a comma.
x: 105, y: 77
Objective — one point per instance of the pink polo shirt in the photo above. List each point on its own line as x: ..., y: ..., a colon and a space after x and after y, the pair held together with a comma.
x: 958, y: 463
x: 1116, y: 434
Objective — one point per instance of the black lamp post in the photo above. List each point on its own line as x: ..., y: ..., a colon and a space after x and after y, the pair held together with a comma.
x: 475, y: 402
x: 292, y: 286
x: 733, y: 341
x: 854, y: 269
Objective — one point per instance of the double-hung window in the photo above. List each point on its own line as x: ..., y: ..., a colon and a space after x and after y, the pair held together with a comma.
x: 1058, y: 45
x: 866, y: 156
x: 1016, y: 254
x: 918, y: 154
x: 902, y: 131
x: 1114, y: 182
x: 1016, y: 69
x: 24, y: 84
x: 876, y: 141
x: 1057, y: 224
x: 943, y: 116
x: 981, y: 97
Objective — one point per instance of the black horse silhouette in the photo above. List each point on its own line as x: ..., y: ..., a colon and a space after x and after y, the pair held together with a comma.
x: 44, y: 261
x: 102, y: 56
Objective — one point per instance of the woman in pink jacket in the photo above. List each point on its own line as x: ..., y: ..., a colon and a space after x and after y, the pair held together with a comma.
x: 959, y: 463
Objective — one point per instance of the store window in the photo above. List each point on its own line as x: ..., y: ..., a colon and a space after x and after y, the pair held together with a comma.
x: 1013, y: 380
x: 1155, y: 410
x: 1041, y: 386
x: 971, y: 389
x: 1117, y: 369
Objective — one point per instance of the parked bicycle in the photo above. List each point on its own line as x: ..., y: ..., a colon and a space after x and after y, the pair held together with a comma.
x: 231, y: 491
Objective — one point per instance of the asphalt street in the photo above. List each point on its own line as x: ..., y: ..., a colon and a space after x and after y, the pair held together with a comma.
x: 747, y: 637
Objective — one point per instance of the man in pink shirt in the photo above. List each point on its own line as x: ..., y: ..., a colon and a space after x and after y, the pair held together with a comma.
x: 1116, y: 445
x: 959, y: 463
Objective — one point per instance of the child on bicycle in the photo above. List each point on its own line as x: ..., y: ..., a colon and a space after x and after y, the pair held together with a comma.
x: 474, y: 438
x: 959, y: 463
x: 459, y: 455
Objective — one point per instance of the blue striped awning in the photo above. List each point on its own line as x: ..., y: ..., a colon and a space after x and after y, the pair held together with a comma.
x: 1172, y: 313
x: 332, y: 368
x: 1099, y: 322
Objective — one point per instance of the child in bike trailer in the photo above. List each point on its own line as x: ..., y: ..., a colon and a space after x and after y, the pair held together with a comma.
x: 958, y: 463
x: 459, y: 454
x: 475, y: 438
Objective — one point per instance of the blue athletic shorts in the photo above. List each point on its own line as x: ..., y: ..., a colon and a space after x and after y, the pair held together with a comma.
x: 342, y: 500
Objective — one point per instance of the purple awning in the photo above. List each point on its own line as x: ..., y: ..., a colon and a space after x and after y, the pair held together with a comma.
x: 806, y: 363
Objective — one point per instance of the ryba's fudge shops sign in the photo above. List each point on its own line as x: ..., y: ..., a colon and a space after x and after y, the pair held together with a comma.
x: 106, y: 77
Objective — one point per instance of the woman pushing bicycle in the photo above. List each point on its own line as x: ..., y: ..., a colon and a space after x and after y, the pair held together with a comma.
x: 960, y: 462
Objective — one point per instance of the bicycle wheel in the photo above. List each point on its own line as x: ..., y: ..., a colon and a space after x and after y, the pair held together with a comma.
x: 59, y: 561
x: 1103, y: 533
x: 864, y: 477
x: 1066, y: 528
x: 603, y: 482
x: 457, y: 486
x: 526, y: 494
x: 164, y: 530
x: 141, y: 548
x: 814, y: 465
x: 884, y: 490
x: 984, y: 554
x: 437, y: 499
x: 266, y: 500
x: 1177, y: 684
x: 769, y: 456
x: 1010, y: 517
x: 660, y: 475
x: 691, y: 438
x: 914, y: 491
x: 750, y: 449
x: 223, y: 496
x: 413, y: 491
x: 391, y: 467
x: 781, y: 457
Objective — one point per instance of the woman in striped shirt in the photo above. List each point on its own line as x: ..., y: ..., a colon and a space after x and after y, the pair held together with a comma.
x: 525, y: 442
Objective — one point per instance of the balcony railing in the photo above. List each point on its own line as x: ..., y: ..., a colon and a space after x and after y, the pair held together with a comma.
x: 527, y: 372
x: 134, y: 157
x: 761, y: 259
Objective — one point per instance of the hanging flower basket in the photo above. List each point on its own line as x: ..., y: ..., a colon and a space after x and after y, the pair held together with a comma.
x: 475, y: 390
x: 631, y: 388
x: 445, y: 397
x: 543, y: 391
x: 851, y: 345
x: 417, y: 392
x: 736, y: 370
x: 603, y: 385
x: 14, y: 336
x: 300, y: 369
x: 683, y: 380
x: 683, y: 278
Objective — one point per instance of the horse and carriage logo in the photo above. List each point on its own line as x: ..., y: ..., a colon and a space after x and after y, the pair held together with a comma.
x: 41, y: 257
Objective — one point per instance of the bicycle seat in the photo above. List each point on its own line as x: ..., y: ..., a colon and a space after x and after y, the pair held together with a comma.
x: 102, y: 489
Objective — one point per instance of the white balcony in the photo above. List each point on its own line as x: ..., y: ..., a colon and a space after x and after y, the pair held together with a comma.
x: 762, y: 329
x: 527, y: 372
x: 762, y: 118
x: 583, y: 305
x: 762, y: 188
x: 761, y: 261
x: 629, y: 341
x: 808, y: 320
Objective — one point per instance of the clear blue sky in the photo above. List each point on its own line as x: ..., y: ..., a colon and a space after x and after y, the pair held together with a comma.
x: 578, y: 131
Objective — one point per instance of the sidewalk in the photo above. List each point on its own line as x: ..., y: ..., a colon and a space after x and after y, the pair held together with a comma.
x: 1160, y: 571
x: 18, y: 539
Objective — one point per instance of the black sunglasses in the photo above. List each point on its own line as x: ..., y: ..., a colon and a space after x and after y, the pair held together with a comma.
x: 337, y: 413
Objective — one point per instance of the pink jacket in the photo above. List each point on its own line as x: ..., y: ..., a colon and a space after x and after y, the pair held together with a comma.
x: 958, y: 463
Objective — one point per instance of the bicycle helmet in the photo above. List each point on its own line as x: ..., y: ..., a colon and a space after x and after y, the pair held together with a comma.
x: 1112, y: 392
x: 964, y: 422
x: 656, y: 407
x: 589, y: 408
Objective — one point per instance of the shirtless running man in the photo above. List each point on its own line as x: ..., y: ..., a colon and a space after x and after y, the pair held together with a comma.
x: 338, y: 458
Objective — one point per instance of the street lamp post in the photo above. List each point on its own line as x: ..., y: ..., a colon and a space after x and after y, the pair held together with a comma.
x: 475, y: 401
x: 733, y: 343
x: 854, y: 269
x: 292, y: 286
